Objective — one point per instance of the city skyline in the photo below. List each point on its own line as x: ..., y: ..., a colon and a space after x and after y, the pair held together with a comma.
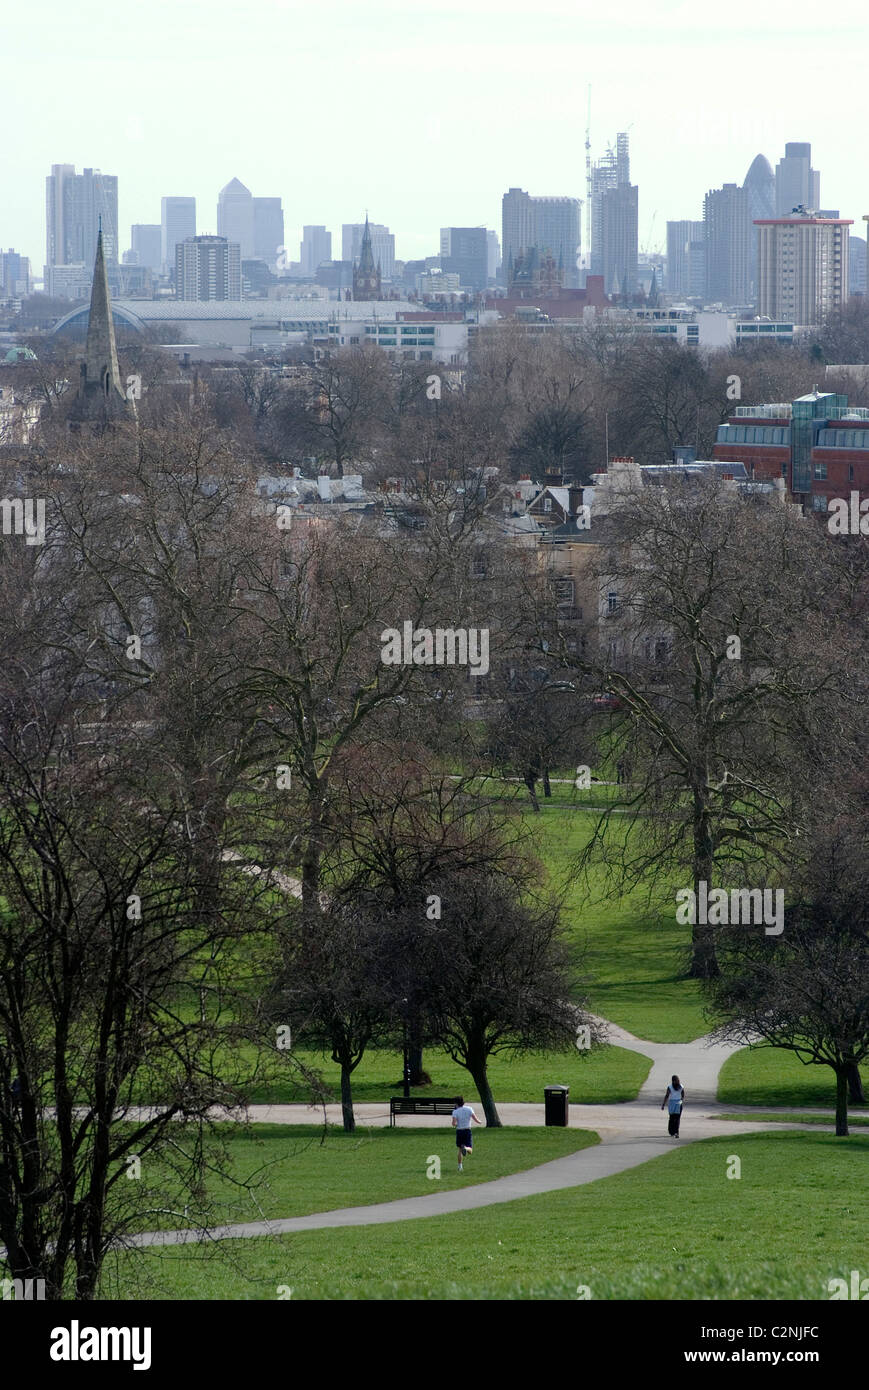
x: 479, y: 143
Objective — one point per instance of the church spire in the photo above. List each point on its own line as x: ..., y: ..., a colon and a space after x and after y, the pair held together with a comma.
x: 100, y: 391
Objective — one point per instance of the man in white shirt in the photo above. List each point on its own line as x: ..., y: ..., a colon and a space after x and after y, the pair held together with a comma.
x: 462, y: 1117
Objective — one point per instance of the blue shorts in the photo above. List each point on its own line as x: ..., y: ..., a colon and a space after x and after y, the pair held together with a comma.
x: 463, y: 1139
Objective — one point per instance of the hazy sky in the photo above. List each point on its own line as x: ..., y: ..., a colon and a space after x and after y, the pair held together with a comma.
x: 423, y: 114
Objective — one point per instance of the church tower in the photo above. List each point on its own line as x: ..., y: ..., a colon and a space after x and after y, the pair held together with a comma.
x: 366, y: 275
x: 100, y: 395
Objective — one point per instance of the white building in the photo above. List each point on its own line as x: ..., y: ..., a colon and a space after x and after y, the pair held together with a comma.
x: 802, y: 267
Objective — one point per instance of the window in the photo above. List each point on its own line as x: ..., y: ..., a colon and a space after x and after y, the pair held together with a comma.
x: 612, y: 602
x: 820, y: 470
x: 819, y: 503
x: 564, y: 593
x: 547, y: 504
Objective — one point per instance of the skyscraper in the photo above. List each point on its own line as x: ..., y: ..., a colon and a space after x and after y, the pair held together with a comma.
x: 802, y: 267
x: 494, y: 264
x: 178, y: 223
x: 465, y: 252
x: 316, y: 247
x: 268, y: 229
x: 382, y: 245
x: 543, y: 224
x: 146, y: 243
x: 614, y: 219
x: 760, y: 190
x: 680, y: 237
x: 207, y: 267
x: 15, y: 279
x: 75, y: 205
x: 619, y: 213
x: 728, y: 234
x: 235, y: 216
x: 797, y: 184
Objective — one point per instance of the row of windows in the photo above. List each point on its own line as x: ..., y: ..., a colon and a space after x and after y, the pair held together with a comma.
x: 843, y: 439
x: 754, y: 434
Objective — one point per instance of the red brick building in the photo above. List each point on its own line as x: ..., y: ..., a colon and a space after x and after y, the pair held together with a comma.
x: 817, y: 443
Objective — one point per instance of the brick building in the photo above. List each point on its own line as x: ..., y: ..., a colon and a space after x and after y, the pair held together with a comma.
x: 818, y: 444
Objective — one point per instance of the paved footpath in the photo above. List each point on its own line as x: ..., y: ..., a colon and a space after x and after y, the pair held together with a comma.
x: 631, y: 1133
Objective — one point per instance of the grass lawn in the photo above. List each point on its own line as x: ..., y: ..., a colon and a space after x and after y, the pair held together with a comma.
x: 770, y: 1076
x: 810, y: 1117
x: 675, y: 1227
x: 606, y: 1074
x: 296, y: 1169
x: 635, y: 953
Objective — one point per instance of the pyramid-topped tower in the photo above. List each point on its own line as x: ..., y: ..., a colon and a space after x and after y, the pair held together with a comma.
x: 100, y: 394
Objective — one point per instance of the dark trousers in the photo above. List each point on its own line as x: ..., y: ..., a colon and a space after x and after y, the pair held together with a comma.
x: 673, y: 1122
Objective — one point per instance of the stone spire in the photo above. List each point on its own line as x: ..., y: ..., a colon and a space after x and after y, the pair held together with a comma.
x: 101, y: 395
x: 366, y: 275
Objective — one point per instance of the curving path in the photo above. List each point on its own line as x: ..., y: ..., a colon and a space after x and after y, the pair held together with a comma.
x: 631, y: 1133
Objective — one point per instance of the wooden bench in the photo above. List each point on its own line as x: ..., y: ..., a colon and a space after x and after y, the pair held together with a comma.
x: 421, y: 1105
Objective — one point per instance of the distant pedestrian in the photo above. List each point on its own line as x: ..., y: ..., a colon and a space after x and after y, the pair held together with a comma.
x: 674, y: 1100
x: 462, y: 1117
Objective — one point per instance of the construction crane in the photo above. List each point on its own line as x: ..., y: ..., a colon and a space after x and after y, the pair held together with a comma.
x: 588, y: 177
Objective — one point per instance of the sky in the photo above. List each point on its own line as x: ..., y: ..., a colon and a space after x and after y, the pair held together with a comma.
x: 422, y: 114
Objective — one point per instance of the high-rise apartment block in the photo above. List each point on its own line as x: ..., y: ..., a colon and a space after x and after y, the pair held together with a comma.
x: 802, y: 267
x: 797, y: 184
x: 316, y: 248
x: 542, y: 225
x: 178, y: 224
x: 465, y: 252
x: 76, y: 206
x: 208, y: 267
x: 382, y: 245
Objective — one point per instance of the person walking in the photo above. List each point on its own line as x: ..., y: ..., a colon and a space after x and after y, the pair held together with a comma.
x: 674, y: 1100
x: 462, y: 1117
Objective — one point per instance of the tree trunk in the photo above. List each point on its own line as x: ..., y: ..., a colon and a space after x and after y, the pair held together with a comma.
x: 842, y: 1100
x: 855, y: 1085
x: 704, y: 962
x: 418, y: 1075
x: 478, y: 1070
x: 529, y: 780
x: 547, y: 790
x: 347, y: 1100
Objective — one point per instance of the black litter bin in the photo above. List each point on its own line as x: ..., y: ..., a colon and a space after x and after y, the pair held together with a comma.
x: 557, y: 1106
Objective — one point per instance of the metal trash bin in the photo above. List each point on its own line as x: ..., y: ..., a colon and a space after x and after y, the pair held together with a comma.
x: 556, y: 1104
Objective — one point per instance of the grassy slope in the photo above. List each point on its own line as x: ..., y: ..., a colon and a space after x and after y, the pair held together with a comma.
x: 676, y: 1227
x: 770, y: 1076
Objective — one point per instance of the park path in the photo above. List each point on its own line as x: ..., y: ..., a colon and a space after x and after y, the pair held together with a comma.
x: 631, y: 1133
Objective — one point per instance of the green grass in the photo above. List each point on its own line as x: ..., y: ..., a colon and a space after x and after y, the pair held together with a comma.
x: 675, y: 1227
x: 635, y: 953
x: 771, y: 1076
x: 807, y: 1118
x: 297, y: 1169
x: 606, y: 1074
